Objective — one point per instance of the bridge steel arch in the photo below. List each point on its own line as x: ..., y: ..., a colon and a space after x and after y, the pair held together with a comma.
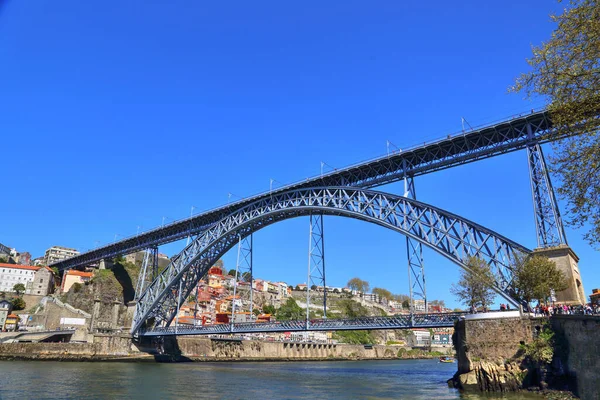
x: 450, y: 235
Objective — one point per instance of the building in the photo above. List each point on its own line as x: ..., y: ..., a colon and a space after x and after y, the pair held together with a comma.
x: 418, y: 338
x: 58, y: 253
x: 37, y: 280
x: 72, y: 277
x: 442, y: 337
x: 5, y: 310
x: 12, y: 323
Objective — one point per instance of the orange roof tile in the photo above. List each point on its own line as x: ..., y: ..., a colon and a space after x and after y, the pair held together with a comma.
x: 82, y: 274
x: 15, y: 266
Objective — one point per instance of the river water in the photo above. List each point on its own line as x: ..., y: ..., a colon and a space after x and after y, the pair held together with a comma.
x: 399, y: 379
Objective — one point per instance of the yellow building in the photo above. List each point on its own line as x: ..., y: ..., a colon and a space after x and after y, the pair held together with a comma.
x: 72, y: 277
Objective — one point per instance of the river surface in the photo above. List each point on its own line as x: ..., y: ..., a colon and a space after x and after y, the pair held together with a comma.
x: 398, y: 379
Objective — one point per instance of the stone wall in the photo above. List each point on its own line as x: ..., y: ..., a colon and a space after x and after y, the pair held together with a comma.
x: 578, y: 348
x: 198, y: 348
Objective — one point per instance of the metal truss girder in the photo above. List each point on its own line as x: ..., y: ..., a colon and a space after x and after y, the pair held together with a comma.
x: 244, y: 276
x: 316, y: 262
x: 150, y: 262
x: 404, y: 321
x: 158, y: 303
x: 500, y: 138
x: 414, y: 252
x: 549, y: 227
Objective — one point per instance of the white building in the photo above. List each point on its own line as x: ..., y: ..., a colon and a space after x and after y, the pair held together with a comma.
x: 58, y: 253
x: 37, y: 280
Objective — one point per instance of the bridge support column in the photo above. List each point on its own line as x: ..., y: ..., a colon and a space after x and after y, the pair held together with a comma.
x: 105, y: 264
x: 316, y: 262
x: 548, y: 223
x: 243, y: 273
x: 150, y: 262
x: 414, y: 251
x: 566, y: 261
x: 551, y: 238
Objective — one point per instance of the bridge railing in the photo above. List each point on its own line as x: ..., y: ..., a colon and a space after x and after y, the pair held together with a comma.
x: 401, y: 321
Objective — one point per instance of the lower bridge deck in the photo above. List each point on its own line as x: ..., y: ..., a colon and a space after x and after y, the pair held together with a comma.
x: 405, y: 321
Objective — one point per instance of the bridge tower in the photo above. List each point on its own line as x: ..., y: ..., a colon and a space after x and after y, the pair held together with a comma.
x: 551, y: 238
x: 244, y: 279
x: 316, y: 263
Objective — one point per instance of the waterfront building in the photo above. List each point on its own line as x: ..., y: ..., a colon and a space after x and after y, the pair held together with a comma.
x: 58, y: 253
x: 72, y: 277
x: 442, y: 337
x: 12, y: 323
x: 5, y: 310
x: 418, y: 338
x: 595, y: 296
x: 37, y: 280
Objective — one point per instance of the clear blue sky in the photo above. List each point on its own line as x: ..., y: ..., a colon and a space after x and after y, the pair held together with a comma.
x: 115, y: 114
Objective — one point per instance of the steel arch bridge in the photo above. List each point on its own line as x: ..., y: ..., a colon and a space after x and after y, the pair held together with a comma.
x: 450, y: 235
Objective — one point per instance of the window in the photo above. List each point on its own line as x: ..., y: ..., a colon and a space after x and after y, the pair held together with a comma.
x: 41, y: 281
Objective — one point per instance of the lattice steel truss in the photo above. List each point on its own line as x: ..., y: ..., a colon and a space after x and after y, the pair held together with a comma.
x: 503, y: 137
x: 549, y: 227
x: 414, y: 252
x: 150, y: 262
x: 316, y: 264
x: 446, y: 233
x: 244, y: 278
x: 437, y: 320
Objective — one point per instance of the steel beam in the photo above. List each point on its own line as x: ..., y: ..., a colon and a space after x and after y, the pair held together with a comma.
x: 150, y: 262
x: 316, y: 263
x: 506, y: 136
x: 414, y: 252
x: 446, y: 233
x: 549, y: 227
x: 244, y: 276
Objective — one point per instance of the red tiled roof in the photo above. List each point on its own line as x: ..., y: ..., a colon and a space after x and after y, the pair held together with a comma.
x: 15, y: 266
x: 82, y: 274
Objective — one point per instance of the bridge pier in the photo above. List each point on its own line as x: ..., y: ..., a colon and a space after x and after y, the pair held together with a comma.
x: 566, y: 261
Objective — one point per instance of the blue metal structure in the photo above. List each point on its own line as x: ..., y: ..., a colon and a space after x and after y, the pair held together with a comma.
x: 506, y: 136
x: 448, y: 234
x: 405, y: 321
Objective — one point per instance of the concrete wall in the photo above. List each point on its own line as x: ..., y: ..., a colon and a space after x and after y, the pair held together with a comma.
x: 199, y: 348
x: 578, y: 347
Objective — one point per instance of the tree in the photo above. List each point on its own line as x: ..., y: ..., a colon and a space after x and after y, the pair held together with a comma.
x: 359, y: 285
x: 231, y: 272
x: 313, y: 287
x: 297, y: 288
x: 383, y: 293
x: 19, y: 288
x: 474, y: 287
x: 566, y: 70
x: 18, y: 303
x: 352, y: 309
x: 536, y: 277
x: 290, y: 310
x: 256, y: 311
x: 76, y: 287
x: 406, y: 304
x: 269, y: 309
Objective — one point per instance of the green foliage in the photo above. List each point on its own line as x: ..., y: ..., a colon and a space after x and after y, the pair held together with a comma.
x: 359, y: 285
x: 76, y: 287
x: 535, y: 278
x: 269, y: 309
x: 231, y: 272
x: 290, y: 311
x: 383, y: 293
x: 406, y: 304
x: 354, y: 337
x: 256, y: 311
x: 19, y: 288
x: 566, y: 70
x: 474, y: 287
x: 18, y: 303
x: 541, y: 349
x: 246, y: 276
x: 352, y: 309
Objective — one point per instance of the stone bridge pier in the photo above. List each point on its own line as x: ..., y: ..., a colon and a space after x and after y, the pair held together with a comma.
x: 566, y: 261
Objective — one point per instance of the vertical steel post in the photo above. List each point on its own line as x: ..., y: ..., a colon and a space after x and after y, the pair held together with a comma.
x: 150, y: 261
x: 414, y: 251
x: 548, y: 223
x: 244, y: 273
x: 316, y: 262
